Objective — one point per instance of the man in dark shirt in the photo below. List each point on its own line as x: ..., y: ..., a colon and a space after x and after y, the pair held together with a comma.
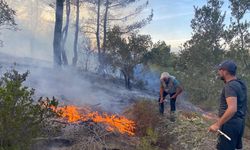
x: 232, y: 110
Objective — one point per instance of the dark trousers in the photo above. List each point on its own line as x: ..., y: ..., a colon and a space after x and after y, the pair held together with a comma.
x: 234, y: 128
x: 172, y: 103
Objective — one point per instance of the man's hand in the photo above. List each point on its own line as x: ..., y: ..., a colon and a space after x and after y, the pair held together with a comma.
x: 162, y: 100
x: 173, y: 97
x: 214, y: 128
x: 231, y: 110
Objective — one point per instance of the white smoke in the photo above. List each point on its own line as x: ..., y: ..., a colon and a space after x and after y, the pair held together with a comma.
x: 70, y: 86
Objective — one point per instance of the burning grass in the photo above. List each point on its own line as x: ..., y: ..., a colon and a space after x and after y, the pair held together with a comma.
x: 113, y: 122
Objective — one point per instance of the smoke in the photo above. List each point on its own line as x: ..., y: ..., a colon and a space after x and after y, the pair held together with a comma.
x: 71, y: 86
x: 31, y: 48
x: 149, y: 76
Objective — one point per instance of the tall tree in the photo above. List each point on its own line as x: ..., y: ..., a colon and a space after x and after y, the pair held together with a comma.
x: 238, y: 38
x: 75, y: 58
x: 238, y: 35
x: 203, y: 52
x: 58, y: 33
x: 98, y: 30
x: 105, y: 22
x: 65, y: 32
x: 111, y: 17
x: 208, y: 24
x: 239, y: 8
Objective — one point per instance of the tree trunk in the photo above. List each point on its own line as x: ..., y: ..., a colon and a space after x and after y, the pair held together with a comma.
x: 126, y: 79
x: 86, y: 62
x: 58, y: 33
x: 128, y: 83
x: 98, y: 30
x: 65, y: 33
x: 105, y: 26
x: 75, y: 58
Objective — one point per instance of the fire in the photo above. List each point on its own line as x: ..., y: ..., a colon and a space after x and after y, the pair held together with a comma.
x: 74, y: 114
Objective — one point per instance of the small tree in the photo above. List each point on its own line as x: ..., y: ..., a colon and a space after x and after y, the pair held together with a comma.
x: 21, y: 119
x: 125, y: 53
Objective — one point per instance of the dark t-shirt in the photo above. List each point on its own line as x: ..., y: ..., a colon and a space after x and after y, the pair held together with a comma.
x: 234, y: 88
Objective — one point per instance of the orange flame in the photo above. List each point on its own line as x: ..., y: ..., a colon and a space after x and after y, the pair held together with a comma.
x: 114, y: 122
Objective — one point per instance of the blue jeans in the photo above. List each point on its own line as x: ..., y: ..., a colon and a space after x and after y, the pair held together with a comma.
x: 172, y: 103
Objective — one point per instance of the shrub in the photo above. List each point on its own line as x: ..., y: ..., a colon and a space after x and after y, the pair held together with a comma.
x: 147, y: 142
x: 21, y: 118
x: 145, y: 115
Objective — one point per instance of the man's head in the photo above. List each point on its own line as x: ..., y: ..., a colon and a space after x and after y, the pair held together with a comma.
x: 164, y: 76
x: 227, y: 69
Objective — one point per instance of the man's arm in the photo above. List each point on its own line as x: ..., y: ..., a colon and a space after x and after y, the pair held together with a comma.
x: 179, y: 89
x: 161, y: 94
x: 229, y: 113
x: 161, y: 91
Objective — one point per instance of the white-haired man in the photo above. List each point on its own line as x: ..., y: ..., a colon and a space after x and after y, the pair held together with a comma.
x: 169, y: 86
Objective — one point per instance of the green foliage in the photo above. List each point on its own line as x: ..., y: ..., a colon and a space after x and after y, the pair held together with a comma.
x: 21, y: 119
x: 147, y: 142
x: 238, y: 38
x: 208, y: 24
x: 200, y: 55
x: 239, y: 8
x: 159, y: 54
x: 125, y: 53
x: 197, y: 60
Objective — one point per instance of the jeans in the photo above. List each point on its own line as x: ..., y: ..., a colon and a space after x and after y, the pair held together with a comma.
x: 172, y: 103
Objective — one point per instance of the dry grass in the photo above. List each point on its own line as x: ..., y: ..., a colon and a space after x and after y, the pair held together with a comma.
x: 145, y: 115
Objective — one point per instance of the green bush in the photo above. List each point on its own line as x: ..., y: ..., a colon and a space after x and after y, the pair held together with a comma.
x: 21, y: 118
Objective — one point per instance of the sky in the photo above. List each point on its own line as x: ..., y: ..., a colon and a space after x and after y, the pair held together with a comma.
x: 172, y: 19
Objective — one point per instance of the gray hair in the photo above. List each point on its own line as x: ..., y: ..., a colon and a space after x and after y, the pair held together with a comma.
x: 164, y: 75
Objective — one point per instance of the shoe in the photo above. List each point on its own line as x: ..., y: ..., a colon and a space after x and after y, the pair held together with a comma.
x: 172, y: 116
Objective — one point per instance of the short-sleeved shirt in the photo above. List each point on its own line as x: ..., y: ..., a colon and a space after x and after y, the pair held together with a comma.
x: 170, y: 86
x: 234, y: 88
